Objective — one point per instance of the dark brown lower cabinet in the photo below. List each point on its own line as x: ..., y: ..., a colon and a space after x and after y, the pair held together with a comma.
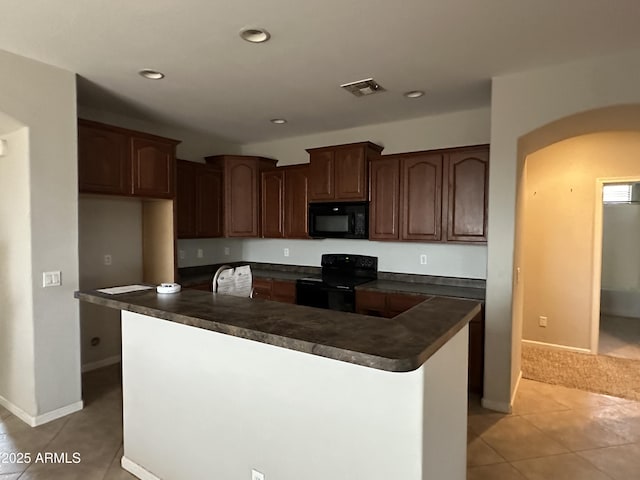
x: 207, y: 287
x: 276, y: 290
x: 262, y: 288
x: 389, y: 305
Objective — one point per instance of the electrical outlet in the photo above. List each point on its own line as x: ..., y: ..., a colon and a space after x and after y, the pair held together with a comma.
x: 226, y: 250
x: 200, y: 253
x: 107, y: 259
x: 286, y: 252
x: 256, y: 475
x: 423, y: 259
x: 542, y: 321
x: 51, y: 279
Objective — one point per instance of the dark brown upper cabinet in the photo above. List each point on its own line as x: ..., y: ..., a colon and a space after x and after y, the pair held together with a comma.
x: 438, y: 195
x: 340, y: 172
x: 186, y: 199
x: 241, y: 204
x: 468, y: 185
x: 209, y: 206
x: 104, y: 165
x: 273, y: 204
x: 384, y: 210
x: 153, y: 167
x: 198, y: 201
x: 296, y: 198
x: 284, y: 202
x: 118, y: 161
x: 421, y: 196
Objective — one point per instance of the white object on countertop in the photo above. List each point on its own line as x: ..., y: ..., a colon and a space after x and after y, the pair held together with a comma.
x: 124, y: 289
x: 233, y: 281
x: 168, y: 288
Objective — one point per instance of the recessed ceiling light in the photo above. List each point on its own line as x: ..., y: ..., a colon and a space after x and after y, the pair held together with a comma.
x: 255, y: 35
x: 414, y: 94
x: 278, y: 121
x: 151, y: 74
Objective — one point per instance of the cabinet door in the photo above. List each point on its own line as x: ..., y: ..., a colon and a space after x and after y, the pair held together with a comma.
x: 186, y: 199
x: 371, y: 303
x: 421, y: 193
x: 296, y: 198
x: 209, y: 213
x: 241, y: 194
x: 468, y: 182
x: 321, y: 176
x: 283, y: 291
x: 103, y: 161
x: 350, y: 174
x: 401, y: 302
x: 385, y: 197
x: 262, y: 288
x: 153, y: 168
x: 272, y: 191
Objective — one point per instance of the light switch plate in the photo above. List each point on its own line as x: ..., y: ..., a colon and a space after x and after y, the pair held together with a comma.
x: 51, y: 279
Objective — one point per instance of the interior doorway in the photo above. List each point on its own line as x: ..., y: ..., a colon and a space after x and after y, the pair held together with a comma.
x: 619, y: 315
x: 560, y: 261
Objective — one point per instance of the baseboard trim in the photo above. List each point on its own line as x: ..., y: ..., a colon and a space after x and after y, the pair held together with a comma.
x: 58, y: 413
x: 105, y: 362
x: 554, y: 346
x: 134, y: 469
x: 515, y: 390
x: 503, y: 407
x: 45, y: 417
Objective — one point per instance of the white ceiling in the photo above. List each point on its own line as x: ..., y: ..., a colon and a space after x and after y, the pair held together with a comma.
x: 217, y: 83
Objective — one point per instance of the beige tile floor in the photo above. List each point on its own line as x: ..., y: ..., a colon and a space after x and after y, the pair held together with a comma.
x: 553, y: 433
x: 95, y: 433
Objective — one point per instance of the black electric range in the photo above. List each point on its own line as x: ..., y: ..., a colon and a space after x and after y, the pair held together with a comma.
x: 341, y: 273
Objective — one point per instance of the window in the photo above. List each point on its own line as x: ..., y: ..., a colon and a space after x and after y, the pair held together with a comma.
x: 617, y: 193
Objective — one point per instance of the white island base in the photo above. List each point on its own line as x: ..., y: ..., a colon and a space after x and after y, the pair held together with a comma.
x: 203, y: 405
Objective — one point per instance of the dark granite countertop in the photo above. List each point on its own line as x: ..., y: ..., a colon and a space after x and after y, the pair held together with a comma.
x: 400, y: 344
x: 387, y: 281
x: 190, y: 276
x: 391, y: 286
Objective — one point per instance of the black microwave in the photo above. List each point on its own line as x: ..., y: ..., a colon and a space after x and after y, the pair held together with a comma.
x: 339, y: 220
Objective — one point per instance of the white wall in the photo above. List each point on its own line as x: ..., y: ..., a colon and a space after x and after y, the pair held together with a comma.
x: 43, y: 99
x: 439, y: 131
x: 17, y: 360
x: 469, y: 127
x: 467, y: 261
x: 620, y: 260
x: 620, y: 252
x: 113, y: 226
x: 213, y: 251
x: 521, y: 104
x: 246, y: 404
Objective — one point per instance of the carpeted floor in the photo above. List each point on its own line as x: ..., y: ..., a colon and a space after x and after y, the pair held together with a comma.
x: 619, y: 377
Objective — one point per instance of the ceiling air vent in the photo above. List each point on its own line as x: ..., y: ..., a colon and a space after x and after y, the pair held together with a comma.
x: 368, y: 86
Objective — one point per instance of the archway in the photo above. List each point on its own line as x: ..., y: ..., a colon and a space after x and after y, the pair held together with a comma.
x: 561, y: 169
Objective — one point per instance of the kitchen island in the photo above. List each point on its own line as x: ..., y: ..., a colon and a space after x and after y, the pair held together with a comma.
x: 215, y: 386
